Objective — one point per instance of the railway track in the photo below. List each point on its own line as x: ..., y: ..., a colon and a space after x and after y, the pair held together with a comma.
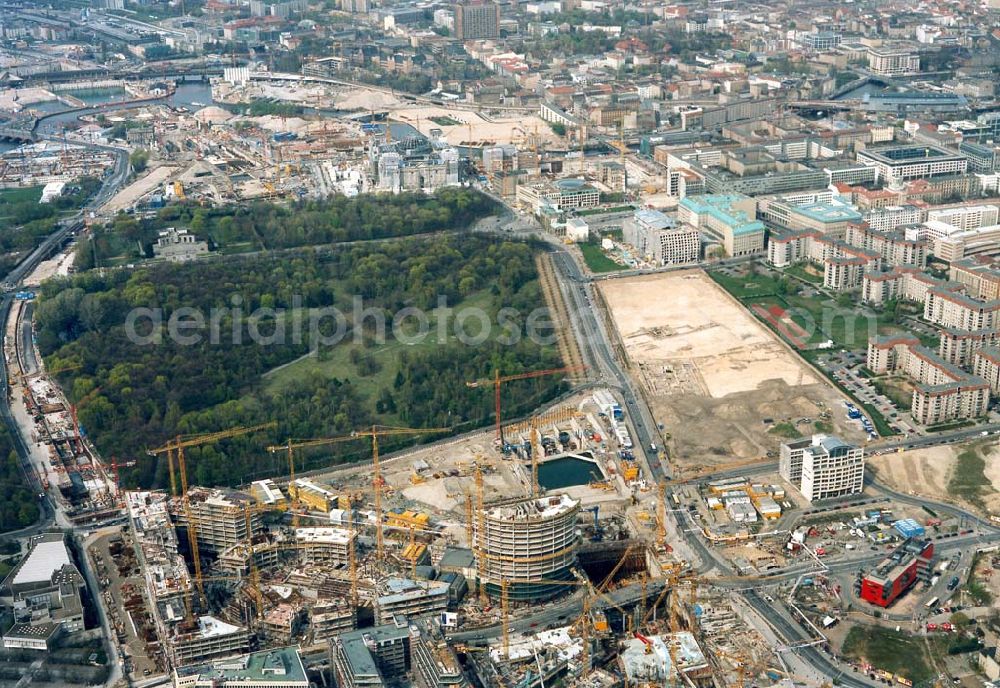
x: 569, y: 350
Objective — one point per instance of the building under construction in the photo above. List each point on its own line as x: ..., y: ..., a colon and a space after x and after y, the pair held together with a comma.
x: 529, y: 544
x: 170, y: 591
x: 220, y: 518
x: 325, y: 544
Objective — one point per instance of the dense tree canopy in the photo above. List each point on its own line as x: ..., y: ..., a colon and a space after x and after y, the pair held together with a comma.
x: 18, y: 505
x: 24, y: 222
x: 305, y: 223
x: 132, y: 396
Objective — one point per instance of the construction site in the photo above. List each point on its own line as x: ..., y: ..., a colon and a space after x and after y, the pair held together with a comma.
x: 62, y: 461
x: 525, y: 581
x: 37, y: 164
x: 706, y: 366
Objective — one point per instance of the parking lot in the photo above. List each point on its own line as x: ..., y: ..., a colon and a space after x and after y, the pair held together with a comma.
x: 845, y: 367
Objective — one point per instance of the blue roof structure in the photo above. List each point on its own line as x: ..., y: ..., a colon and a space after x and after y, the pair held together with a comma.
x: 720, y: 206
x: 831, y: 212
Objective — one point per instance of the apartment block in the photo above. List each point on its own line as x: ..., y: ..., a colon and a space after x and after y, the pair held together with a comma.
x: 902, y: 282
x: 958, y: 347
x: 950, y: 401
x: 893, y: 217
x: 844, y: 265
x: 823, y: 467
x: 894, y: 247
x: 980, y: 281
x: 949, y: 308
x: 884, y: 352
x: 986, y: 364
x: 942, y: 391
x: 888, y: 61
x: 477, y: 19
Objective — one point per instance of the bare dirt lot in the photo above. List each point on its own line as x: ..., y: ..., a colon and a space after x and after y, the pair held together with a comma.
x: 714, y: 376
x: 918, y: 471
x: 462, y: 127
x: 929, y: 472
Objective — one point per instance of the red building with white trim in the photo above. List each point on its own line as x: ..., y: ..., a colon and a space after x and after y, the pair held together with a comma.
x: 894, y: 576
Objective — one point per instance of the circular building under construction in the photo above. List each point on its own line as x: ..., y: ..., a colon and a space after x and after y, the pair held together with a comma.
x: 530, y: 544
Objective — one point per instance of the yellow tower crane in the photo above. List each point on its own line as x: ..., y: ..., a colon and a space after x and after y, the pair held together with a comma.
x: 374, y: 433
x: 481, y: 517
x: 497, y: 380
x: 178, y: 445
x: 592, y: 592
x: 254, y: 587
x: 536, y: 454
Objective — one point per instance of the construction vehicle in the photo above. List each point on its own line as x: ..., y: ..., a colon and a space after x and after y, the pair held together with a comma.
x: 497, y: 380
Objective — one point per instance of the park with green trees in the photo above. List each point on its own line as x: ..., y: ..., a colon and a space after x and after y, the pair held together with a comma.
x: 260, y: 226
x: 133, y: 395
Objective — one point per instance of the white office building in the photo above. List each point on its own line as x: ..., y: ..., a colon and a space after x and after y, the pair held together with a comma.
x: 823, y: 467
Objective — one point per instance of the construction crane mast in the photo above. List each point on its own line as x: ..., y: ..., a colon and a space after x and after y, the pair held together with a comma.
x: 536, y: 454
x: 178, y: 445
x: 374, y: 433
x: 480, y: 513
x: 258, y: 596
x: 290, y: 446
x: 497, y: 380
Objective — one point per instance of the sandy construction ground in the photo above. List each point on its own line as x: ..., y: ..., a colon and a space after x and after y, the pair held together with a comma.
x: 695, y: 321
x: 127, y: 197
x: 927, y: 472
x: 57, y: 266
x: 715, y: 377
x: 918, y: 471
x: 366, y: 99
x: 992, y: 473
x: 474, y: 128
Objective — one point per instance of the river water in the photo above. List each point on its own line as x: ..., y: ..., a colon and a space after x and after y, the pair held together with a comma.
x: 191, y: 95
x: 862, y: 91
